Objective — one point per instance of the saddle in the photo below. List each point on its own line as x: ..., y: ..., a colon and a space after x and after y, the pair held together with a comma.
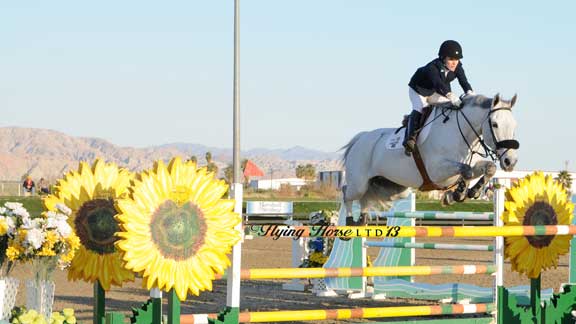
x: 426, y: 111
x: 427, y: 183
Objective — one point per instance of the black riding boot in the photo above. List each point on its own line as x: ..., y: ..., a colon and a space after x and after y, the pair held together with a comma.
x: 409, y: 138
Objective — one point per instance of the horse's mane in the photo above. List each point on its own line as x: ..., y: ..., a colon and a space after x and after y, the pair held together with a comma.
x: 478, y: 100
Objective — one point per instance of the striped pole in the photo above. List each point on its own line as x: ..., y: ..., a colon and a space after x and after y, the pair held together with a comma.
x: 341, y: 314
x: 572, y: 265
x: 436, y: 215
x: 499, y: 304
x: 301, y: 273
x: 431, y: 246
x: 347, y: 232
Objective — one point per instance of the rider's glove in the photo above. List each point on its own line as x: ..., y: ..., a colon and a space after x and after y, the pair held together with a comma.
x: 468, y: 93
x: 454, y: 99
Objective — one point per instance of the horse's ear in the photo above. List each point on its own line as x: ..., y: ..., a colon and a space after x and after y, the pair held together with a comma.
x: 496, y: 100
x: 513, y: 101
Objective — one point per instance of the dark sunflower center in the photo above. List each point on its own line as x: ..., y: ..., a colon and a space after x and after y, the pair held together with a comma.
x: 178, y: 229
x: 95, y: 225
x: 539, y: 214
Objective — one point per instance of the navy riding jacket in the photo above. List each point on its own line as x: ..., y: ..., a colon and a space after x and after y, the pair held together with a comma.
x: 433, y: 78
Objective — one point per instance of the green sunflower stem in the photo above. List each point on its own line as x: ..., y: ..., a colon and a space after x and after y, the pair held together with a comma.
x: 173, y: 308
x: 535, y: 299
x: 99, y: 315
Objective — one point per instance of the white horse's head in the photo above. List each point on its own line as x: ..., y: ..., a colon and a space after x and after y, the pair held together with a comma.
x: 499, y: 130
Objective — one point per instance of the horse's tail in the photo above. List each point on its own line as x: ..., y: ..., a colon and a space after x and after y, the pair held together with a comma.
x: 348, y: 146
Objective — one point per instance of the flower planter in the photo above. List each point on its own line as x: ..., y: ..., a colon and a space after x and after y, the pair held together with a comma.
x: 40, y: 296
x: 8, y: 291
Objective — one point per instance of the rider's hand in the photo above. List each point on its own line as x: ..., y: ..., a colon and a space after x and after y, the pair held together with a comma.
x: 468, y: 93
x: 454, y: 99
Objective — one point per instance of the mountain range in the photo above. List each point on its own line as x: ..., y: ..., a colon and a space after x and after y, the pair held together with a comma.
x: 49, y: 154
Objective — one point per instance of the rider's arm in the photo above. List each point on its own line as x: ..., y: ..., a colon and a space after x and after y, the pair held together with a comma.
x: 461, y: 75
x: 440, y: 86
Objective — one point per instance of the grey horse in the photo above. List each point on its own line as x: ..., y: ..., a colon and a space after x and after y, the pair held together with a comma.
x: 377, y: 173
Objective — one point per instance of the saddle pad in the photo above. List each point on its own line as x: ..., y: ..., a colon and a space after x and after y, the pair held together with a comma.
x: 394, y: 141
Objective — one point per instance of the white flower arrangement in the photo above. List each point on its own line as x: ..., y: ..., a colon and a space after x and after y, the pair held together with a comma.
x: 10, y: 215
x: 30, y: 238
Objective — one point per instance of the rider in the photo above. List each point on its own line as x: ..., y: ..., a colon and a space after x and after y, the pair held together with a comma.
x: 431, y: 84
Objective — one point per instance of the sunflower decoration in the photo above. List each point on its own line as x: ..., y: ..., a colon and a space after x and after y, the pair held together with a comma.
x: 91, y: 192
x: 176, y: 228
x: 536, y: 200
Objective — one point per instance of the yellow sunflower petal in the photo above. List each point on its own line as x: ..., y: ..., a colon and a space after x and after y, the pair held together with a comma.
x: 89, y: 191
x: 176, y: 229
x: 536, y: 200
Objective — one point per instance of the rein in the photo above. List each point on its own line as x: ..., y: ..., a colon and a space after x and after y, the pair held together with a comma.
x: 508, y: 144
x: 488, y: 151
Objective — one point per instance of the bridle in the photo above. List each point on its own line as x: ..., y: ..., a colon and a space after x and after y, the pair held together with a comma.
x: 507, y: 144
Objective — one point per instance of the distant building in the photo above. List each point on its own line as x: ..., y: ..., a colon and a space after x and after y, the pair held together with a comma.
x: 333, y: 178
x: 275, y: 184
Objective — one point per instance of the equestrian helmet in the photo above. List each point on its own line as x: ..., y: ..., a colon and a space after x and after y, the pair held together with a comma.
x: 450, y: 48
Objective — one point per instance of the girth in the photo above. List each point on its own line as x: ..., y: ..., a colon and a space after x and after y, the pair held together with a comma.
x: 427, y: 184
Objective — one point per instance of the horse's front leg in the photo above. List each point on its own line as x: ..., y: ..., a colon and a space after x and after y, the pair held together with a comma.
x: 485, y: 169
x: 466, y: 174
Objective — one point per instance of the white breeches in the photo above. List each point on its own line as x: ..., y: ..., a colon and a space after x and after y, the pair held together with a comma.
x: 419, y: 102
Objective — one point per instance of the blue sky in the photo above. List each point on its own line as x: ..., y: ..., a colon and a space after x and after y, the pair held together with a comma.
x: 313, y: 73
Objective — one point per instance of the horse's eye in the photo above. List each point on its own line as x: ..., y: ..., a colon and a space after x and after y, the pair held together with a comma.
x: 494, y: 125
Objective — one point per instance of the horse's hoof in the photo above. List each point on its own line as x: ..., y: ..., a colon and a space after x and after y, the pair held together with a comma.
x: 459, y: 196
x: 447, y: 200
x: 360, y: 222
x: 473, y: 194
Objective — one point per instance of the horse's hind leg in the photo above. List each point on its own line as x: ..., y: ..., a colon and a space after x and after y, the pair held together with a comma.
x: 350, y: 194
x: 364, y: 210
x: 347, y: 202
x: 353, y: 191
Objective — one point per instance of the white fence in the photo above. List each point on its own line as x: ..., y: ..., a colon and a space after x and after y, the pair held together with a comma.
x: 11, y: 188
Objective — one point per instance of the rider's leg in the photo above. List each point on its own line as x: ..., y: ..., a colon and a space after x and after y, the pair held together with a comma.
x: 418, y: 102
x: 409, y: 138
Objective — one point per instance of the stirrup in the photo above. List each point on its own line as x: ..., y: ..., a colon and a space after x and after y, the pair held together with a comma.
x: 409, y: 147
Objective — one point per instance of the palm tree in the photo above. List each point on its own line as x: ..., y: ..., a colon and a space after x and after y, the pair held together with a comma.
x: 565, y: 180
x: 212, y: 167
x: 307, y: 172
x: 229, y: 171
